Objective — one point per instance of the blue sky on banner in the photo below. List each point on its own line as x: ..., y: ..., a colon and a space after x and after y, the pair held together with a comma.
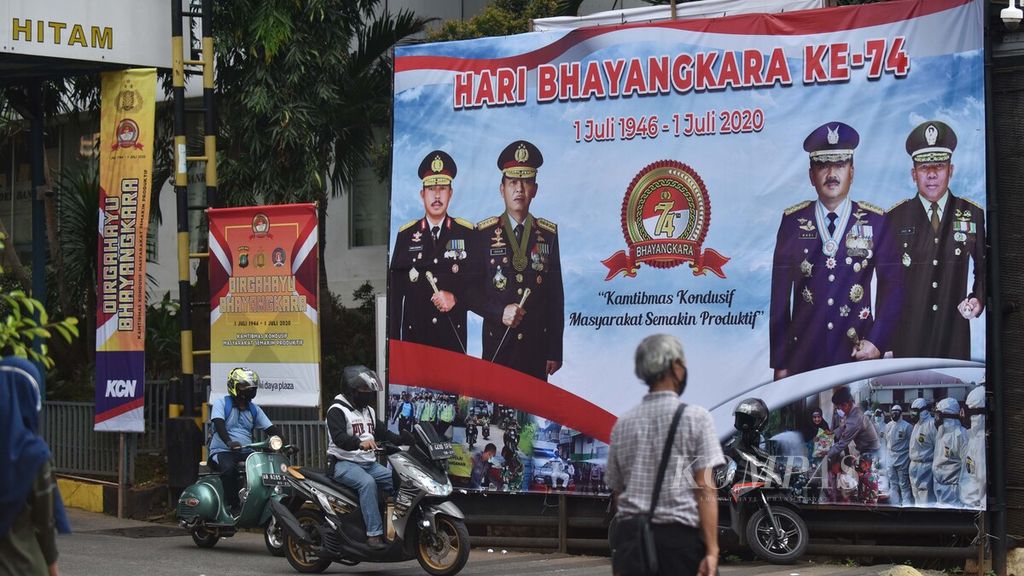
x: 751, y: 178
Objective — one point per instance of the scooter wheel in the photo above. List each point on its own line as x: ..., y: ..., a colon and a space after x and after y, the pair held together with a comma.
x: 204, y: 537
x: 273, y: 537
x: 444, y: 553
x: 301, y: 556
x: 768, y: 545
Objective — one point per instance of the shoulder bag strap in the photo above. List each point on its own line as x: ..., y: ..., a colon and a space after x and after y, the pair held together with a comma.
x: 665, y: 456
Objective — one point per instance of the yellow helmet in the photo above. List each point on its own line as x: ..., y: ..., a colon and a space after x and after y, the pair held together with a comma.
x: 243, y: 383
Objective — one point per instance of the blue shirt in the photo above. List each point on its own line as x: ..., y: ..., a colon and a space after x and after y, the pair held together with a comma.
x: 239, y: 423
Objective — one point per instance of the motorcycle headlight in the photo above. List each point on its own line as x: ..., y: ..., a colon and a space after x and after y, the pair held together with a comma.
x: 276, y: 443
x: 428, y: 484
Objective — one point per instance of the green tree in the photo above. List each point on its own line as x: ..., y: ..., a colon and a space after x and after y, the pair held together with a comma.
x: 302, y: 88
x: 24, y: 320
x: 504, y: 17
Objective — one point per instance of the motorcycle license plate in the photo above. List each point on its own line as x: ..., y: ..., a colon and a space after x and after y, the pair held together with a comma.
x: 441, y: 450
x: 274, y: 480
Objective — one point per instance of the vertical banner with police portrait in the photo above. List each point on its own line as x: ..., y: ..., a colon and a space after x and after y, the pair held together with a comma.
x: 127, y: 111
x: 799, y: 197
x: 264, y: 307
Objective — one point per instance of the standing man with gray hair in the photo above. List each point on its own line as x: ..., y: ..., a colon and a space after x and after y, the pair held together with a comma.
x: 685, y: 519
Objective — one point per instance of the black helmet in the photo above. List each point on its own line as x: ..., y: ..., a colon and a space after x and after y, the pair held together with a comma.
x: 243, y: 384
x: 360, y: 385
x: 751, y: 415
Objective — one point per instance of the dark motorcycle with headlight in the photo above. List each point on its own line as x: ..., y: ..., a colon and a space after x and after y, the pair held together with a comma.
x: 202, y: 509
x: 765, y: 492
x: 328, y: 526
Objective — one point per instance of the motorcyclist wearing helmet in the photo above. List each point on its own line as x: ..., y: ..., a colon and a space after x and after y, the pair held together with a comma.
x: 353, y: 433
x: 234, y: 417
x: 922, y: 451
x: 749, y: 419
x: 950, y: 446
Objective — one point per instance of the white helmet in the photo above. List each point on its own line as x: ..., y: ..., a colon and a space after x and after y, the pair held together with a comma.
x: 976, y: 399
x: 948, y: 407
x: 919, y: 404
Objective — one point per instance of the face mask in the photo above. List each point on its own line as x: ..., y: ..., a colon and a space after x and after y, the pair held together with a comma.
x: 840, y: 413
x: 682, y: 385
x: 364, y: 399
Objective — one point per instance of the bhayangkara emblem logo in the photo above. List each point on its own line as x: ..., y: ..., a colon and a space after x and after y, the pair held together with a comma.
x: 126, y: 135
x: 665, y: 217
x: 260, y: 225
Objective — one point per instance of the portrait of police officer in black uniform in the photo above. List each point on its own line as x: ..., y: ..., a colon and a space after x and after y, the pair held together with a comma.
x: 936, y: 235
x: 430, y: 265
x: 519, y: 293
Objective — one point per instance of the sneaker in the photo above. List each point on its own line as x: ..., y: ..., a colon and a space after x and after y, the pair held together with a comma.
x: 375, y: 543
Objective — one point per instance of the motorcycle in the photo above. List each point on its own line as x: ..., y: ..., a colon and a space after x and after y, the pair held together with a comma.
x: 202, y: 507
x: 471, y: 431
x: 764, y: 495
x: 325, y: 525
x: 485, y: 428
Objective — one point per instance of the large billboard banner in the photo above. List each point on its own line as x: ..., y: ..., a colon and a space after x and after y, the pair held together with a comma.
x: 264, y: 307
x: 800, y: 198
x: 127, y: 112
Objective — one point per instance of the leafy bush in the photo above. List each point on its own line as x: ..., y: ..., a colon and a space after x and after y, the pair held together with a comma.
x: 24, y: 322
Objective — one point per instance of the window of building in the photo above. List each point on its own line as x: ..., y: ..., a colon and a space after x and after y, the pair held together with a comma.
x: 368, y: 210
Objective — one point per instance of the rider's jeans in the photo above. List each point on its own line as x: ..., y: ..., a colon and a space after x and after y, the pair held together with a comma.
x: 364, y: 478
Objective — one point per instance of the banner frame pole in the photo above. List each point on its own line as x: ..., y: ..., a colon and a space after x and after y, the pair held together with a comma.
x: 120, y: 474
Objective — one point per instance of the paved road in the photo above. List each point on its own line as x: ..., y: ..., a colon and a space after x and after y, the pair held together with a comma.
x: 105, y: 546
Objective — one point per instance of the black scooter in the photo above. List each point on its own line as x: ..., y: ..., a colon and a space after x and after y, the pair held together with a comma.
x: 325, y: 525
x: 764, y: 494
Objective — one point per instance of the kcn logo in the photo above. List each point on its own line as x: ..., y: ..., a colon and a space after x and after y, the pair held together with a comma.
x: 121, y: 388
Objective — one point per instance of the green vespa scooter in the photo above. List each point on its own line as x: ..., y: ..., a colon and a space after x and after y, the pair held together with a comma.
x: 202, y: 508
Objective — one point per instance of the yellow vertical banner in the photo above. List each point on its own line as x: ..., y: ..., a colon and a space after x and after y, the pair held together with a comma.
x: 127, y: 112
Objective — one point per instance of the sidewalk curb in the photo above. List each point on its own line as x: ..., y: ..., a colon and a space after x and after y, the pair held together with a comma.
x: 82, y: 495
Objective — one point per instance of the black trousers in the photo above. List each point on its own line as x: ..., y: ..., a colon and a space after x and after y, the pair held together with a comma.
x: 405, y: 424
x: 227, y: 466
x: 680, y: 549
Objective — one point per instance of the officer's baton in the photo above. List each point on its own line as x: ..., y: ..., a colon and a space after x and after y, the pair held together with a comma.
x: 433, y: 284
x: 522, y: 302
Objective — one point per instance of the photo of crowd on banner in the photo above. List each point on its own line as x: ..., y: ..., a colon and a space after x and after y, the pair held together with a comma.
x: 911, y: 439
x: 499, y: 448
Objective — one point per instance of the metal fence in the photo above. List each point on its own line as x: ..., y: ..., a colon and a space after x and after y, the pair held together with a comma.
x: 80, y: 450
x: 310, y: 437
x: 76, y: 447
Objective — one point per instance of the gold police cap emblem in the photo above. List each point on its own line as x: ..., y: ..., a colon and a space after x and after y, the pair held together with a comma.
x: 522, y: 154
x: 437, y: 164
